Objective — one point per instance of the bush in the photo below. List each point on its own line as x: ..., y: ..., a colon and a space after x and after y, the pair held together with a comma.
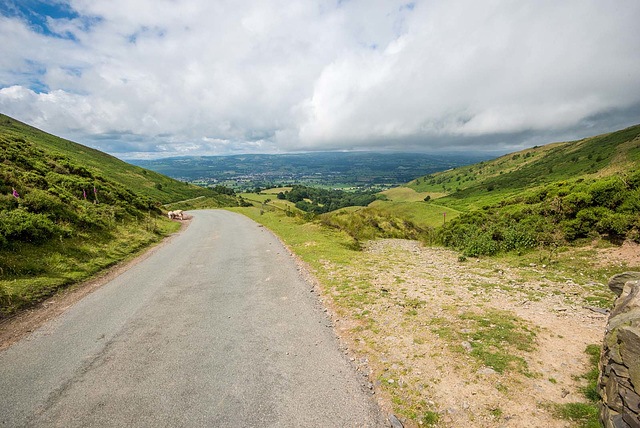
x: 607, y: 192
x: 615, y: 224
x: 577, y: 201
x: 518, y: 237
x: 39, y: 201
x: 480, y: 245
x: 25, y: 226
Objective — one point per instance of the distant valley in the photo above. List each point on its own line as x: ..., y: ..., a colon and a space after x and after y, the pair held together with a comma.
x: 344, y: 170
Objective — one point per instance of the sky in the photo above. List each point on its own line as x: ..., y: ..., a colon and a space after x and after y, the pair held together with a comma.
x: 159, y: 78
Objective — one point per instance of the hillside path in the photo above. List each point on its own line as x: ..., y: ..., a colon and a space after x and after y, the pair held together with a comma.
x: 217, y: 328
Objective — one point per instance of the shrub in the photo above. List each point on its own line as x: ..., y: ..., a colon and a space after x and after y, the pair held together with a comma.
x: 518, y: 238
x: 25, y: 226
x: 480, y: 245
x: 607, y: 192
x: 615, y: 224
x: 39, y: 201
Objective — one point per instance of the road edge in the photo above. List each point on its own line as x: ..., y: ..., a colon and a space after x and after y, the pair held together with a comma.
x: 306, y: 272
x: 23, y: 323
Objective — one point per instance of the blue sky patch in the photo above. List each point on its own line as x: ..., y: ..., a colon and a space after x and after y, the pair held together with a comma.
x: 37, y: 13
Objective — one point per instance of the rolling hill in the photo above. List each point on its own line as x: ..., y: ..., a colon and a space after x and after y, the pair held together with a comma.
x: 491, y: 181
x: 546, y: 196
x: 141, y: 181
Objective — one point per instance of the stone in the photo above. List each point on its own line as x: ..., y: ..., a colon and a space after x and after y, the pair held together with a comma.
x: 627, y: 317
x: 467, y: 346
x: 630, y: 351
x: 614, y: 352
x: 630, y: 399
x: 628, y: 300
x: 618, y: 422
x: 614, y: 401
x: 631, y: 419
x: 619, y: 370
x: 617, y: 282
x: 395, y: 422
x: 486, y: 371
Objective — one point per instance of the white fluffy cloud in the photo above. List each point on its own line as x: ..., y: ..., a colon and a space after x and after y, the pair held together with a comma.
x: 162, y: 77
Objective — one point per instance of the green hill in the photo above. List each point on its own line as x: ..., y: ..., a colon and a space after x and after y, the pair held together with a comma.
x: 139, y: 180
x: 549, y: 196
x: 491, y: 181
x: 68, y: 211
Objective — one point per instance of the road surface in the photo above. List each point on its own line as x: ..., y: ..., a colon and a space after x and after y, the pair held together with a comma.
x: 217, y: 328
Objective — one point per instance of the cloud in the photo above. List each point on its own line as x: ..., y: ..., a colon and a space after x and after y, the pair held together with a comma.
x: 155, y: 78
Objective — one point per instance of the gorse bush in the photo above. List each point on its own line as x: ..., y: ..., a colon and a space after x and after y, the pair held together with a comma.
x: 558, y: 213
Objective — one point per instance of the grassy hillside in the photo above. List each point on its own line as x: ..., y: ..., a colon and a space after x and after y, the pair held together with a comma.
x: 491, y: 181
x: 549, y: 196
x: 139, y: 180
x: 64, y: 214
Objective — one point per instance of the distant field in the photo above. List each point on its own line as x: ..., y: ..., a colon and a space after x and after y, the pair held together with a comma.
x: 407, y: 194
x: 258, y: 197
x: 421, y: 213
x: 276, y: 190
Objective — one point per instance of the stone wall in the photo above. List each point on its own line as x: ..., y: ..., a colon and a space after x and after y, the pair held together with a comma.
x: 619, y: 383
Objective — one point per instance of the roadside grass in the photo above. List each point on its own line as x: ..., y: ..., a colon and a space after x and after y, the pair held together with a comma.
x: 312, y: 242
x: 586, y: 415
x: 30, y: 273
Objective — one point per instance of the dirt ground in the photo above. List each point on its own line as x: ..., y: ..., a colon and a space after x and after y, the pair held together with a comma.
x: 399, y: 340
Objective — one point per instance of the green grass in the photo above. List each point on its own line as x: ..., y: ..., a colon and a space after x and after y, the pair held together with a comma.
x: 489, y: 182
x: 407, y: 194
x: 423, y: 214
x: 139, y: 180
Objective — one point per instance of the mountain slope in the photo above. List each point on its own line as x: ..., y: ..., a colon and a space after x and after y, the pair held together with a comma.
x: 64, y: 214
x: 137, y: 179
x: 490, y: 181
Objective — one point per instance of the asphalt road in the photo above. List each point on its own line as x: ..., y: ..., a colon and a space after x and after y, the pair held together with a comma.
x: 217, y: 328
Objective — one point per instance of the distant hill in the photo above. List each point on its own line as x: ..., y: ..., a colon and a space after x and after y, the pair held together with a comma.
x: 363, y: 170
x: 139, y: 180
x: 491, y: 181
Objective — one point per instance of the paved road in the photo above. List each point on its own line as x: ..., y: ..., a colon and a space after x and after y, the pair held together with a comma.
x: 217, y: 329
